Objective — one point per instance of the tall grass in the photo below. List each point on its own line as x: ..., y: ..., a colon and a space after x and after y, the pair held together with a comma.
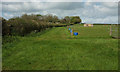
x: 56, y: 49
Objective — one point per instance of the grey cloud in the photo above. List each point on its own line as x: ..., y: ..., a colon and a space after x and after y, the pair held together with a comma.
x: 88, y: 11
x: 37, y: 6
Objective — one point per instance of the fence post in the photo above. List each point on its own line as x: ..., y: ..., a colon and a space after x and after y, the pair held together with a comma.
x: 72, y: 33
x: 67, y: 27
x: 110, y: 30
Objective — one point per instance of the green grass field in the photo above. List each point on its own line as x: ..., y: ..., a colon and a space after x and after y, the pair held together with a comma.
x: 56, y: 49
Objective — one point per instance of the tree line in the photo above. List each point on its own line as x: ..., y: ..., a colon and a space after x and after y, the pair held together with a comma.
x: 28, y: 23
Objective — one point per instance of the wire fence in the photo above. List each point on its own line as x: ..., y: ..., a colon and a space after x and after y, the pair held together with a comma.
x: 115, y: 30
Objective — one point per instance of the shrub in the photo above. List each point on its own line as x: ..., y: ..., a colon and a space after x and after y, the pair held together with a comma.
x: 28, y: 23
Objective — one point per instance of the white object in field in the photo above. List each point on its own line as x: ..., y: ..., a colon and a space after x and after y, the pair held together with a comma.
x: 88, y: 25
x: 85, y: 25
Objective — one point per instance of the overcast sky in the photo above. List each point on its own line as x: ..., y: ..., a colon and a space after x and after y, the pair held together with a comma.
x: 89, y: 11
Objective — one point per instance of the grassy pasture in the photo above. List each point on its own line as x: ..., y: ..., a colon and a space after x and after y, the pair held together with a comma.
x: 56, y: 49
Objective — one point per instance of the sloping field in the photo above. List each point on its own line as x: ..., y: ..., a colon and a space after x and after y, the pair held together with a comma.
x: 56, y: 49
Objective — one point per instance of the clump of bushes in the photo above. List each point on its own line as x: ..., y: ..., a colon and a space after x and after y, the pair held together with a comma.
x: 27, y: 23
x: 71, y: 20
x: 75, y: 19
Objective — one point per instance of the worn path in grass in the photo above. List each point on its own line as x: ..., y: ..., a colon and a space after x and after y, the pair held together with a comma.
x: 55, y: 49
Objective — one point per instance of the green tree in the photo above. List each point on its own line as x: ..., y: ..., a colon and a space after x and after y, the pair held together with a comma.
x: 67, y: 19
x: 5, y: 27
x: 75, y: 19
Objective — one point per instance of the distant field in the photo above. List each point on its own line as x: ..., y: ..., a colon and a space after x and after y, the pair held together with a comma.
x: 56, y: 49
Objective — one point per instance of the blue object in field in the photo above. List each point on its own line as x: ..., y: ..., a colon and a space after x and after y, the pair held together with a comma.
x: 75, y: 33
x: 70, y: 31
